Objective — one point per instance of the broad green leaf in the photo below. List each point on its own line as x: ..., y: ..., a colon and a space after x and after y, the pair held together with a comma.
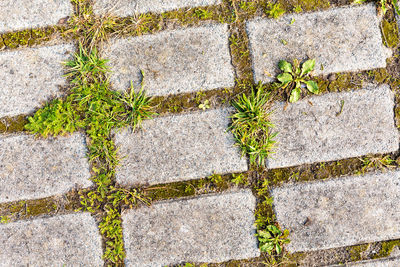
x: 278, y: 248
x: 294, y: 95
x: 396, y: 6
x: 285, y: 66
x: 312, y: 87
x: 307, y: 67
x: 284, y: 78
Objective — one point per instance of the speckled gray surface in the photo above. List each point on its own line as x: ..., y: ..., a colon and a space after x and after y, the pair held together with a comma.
x: 386, y: 262
x: 31, y: 76
x: 212, y: 228
x: 25, y: 14
x: 340, y: 39
x: 178, y: 148
x: 125, y: 8
x: 32, y: 168
x: 177, y: 61
x: 340, y: 212
x: 318, y: 132
x: 63, y: 240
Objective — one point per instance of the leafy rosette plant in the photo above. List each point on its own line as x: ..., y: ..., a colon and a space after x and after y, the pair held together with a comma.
x: 293, y: 77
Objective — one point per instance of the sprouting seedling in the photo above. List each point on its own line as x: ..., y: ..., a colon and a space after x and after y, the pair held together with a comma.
x: 293, y: 77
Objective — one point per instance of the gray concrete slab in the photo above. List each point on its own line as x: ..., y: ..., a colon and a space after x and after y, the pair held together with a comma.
x: 211, y: 228
x: 63, y: 240
x: 340, y: 212
x: 340, y: 40
x: 177, y: 61
x: 314, y: 130
x: 124, y: 8
x: 25, y: 14
x: 32, y: 168
x: 31, y: 76
x: 178, y: 148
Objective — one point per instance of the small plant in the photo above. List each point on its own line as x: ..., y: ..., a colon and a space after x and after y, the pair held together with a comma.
x: 272, y: 239
x: 251, y: 126
x: 293, y: 78
x: 239, y: 179
x: 216, y: 178
x: 205, y: 105
x: 203, y: 13
x: 371, y: 162
x: 4, y: 219
x: 275, y: 10
x: 384, y: 4
x: 138, y: 107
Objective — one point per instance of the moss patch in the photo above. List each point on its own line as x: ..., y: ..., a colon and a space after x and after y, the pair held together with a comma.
x: 13, y: 124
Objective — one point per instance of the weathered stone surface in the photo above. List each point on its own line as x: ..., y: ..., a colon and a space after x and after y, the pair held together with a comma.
x: 32, y: 168
x: 385, y: 262
x: 340, y: 39
x: 30, y: 76
x: 24, y: 14
x: 178, y: 148
x: 125, y: 8
x: 340, y: 212
x: 314, y: 130
x: 211, y: 228
x: 177, y: 61
x: 64, y: 240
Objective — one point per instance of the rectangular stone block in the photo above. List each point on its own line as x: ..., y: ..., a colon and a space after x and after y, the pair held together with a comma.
x: 178, y: 148
x: 31, y: 76
x: 177, y: 61
x: 63, y: 240
x: 25, y: 14
x: 340, y: 212
x: 334, y: 126
x: 124, y: 8
x: 340, y: 40
x: 32, y: 168
x: 212, y: 228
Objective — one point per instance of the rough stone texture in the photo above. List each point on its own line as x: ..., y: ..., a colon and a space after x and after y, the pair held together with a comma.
x: 178, y: 148
x: 177, y: 61
x: 341, y: 39
x: 211, y: 228
x: 64, y: 240
x: 340, y: 212
x: 30, y: 76
x: 32, y: 168
x: 125, y: 8
x: 23, y: 14
x: 316, y: 132
x: 386, y: 262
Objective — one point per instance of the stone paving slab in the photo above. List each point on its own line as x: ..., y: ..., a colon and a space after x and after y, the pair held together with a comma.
x: 25, y: 14
x: 178, y: 148
x: 340, y: 212
x: 314, y: 130
x: 340, y: 39
x: 31, y: 76
x: 177, y: 61
x: 64, y: 240
x: 386, y: 262
x: 32, y: 168
x: 125, y: 8
x: 212, y: 228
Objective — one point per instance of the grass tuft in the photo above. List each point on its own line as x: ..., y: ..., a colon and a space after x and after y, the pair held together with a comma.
x: 251, y: 126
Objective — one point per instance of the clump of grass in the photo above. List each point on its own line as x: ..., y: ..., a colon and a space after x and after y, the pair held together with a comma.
x: 251, y: 126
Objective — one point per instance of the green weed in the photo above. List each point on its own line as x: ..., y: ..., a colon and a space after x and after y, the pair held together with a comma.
x: 251, y: 126
x: 272, y: 239
x: 293, y: 77
x: 274, y: 10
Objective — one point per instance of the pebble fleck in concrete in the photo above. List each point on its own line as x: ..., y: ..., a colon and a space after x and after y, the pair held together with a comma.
x: 178, y: 148
x: 177, y: 61
x: 32, y: 168
x: 211, y: 228
x: 340, y: 39
x: 63, y: 240
x: 340, y: 212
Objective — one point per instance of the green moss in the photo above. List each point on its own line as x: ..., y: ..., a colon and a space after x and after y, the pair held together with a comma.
x: 29, y: 37
x: 387, y: 248
x: 390, y: 33
x: 13, y: 124
x: 356, y: 252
